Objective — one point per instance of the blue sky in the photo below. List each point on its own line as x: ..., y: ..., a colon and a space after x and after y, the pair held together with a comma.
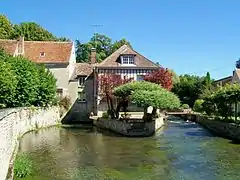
x: 185, y: 35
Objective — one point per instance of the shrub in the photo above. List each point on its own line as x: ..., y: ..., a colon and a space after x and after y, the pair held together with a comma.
x: 65, y: 102
x: 198, y: 105
x: 24, y: 83
x: 185, y: 106
x: 105, y: 115
x: 220, y: 101
x: 8, y: 84
x: 161, y: 99
x: 22, y: 166
x: 26, y: 73
x: 47, y: 88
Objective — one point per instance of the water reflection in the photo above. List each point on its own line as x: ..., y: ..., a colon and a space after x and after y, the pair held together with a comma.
x: 178, y: 151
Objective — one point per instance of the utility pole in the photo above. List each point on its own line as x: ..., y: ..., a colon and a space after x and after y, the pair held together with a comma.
x: 95, y: 26
x: 95, y: 74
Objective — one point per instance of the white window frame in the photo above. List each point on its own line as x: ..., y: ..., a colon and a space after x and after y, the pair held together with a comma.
x: 127, y: 60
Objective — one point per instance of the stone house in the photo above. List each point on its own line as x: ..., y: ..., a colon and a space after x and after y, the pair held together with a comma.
x: 58, y: 57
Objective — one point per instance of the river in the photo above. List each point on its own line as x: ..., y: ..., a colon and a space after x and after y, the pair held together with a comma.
x: 179, y: 151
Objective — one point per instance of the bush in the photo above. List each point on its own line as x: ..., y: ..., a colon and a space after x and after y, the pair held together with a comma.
x: 105, y: 115
x: 22, y: 166
x: 8, y: 84
x: 65, y: 102
x: 185, y: 106
x: 24, y: 83
x: 198, y: 105
x: 47, y: 88
x: 161, y: 99
x: 220, y: 101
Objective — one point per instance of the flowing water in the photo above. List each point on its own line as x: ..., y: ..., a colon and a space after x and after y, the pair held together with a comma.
x: 181, y: 151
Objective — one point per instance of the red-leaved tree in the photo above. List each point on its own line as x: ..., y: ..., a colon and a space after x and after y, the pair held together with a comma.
x: 107, y: 82
x: 160, y: 76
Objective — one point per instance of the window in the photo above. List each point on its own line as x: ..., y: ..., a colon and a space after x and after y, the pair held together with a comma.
x: 42, y: 54
x: 127, y: 59
x: 82, y: 96
x: 140, y: 77
x: 81, y: 80
x: 59, y: 92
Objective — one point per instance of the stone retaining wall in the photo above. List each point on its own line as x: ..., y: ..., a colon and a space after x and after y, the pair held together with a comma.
x: 17, y: 121
x: 137, y: 129
x: 223, y: 129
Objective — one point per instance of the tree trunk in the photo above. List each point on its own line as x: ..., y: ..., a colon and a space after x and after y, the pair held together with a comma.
x: 112, y: 111
x: 235, y: 110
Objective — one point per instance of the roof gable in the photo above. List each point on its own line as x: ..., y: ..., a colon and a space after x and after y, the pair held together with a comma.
x: 140, y: 60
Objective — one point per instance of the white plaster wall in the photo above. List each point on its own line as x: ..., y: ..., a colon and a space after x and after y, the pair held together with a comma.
x: 17, y: 121
x: 72, y: 62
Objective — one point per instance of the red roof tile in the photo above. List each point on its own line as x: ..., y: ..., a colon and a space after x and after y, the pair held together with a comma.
x: 83, y: 69
x: 9, y: 46
x: 54, y: 52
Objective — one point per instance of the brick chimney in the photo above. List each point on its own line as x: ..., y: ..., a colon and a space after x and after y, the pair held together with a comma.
x: 20, y: 46
x: 93, y: 56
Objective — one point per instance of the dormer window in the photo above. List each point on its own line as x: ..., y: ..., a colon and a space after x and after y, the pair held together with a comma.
x: 42, y: 54
x: 127, y: 59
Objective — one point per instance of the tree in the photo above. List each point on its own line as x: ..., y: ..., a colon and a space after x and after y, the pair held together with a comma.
x: 147, y: 94
x: 117, y: 44
x: 160, y: 76
x: 102, y: 43
x: 107, y: 82
x: 32, y: 32
x: 82, y: 52
x: 221, y: 100
x: 24, y: 83
x: 175, y: 77
x: 189, y: 89
x: 6, y: 28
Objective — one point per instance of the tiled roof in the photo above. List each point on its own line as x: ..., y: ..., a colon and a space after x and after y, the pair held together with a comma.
x: 9, y: 46
x: 229, y: 78
x: 83, y: 69
x: 113, y: 59
x: 54, y: 52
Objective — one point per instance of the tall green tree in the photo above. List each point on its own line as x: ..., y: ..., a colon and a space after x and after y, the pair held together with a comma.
x: 188, y: 89
x: 32, y: 32
x: 117, y: 44
x: 6, y: 28
x: 103, y: 45
x: 82, y: 51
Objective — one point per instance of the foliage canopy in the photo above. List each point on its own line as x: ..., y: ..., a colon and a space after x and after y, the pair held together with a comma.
x: 24, y: 83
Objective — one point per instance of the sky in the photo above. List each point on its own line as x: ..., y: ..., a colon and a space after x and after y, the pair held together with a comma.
x: 184, y: 35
